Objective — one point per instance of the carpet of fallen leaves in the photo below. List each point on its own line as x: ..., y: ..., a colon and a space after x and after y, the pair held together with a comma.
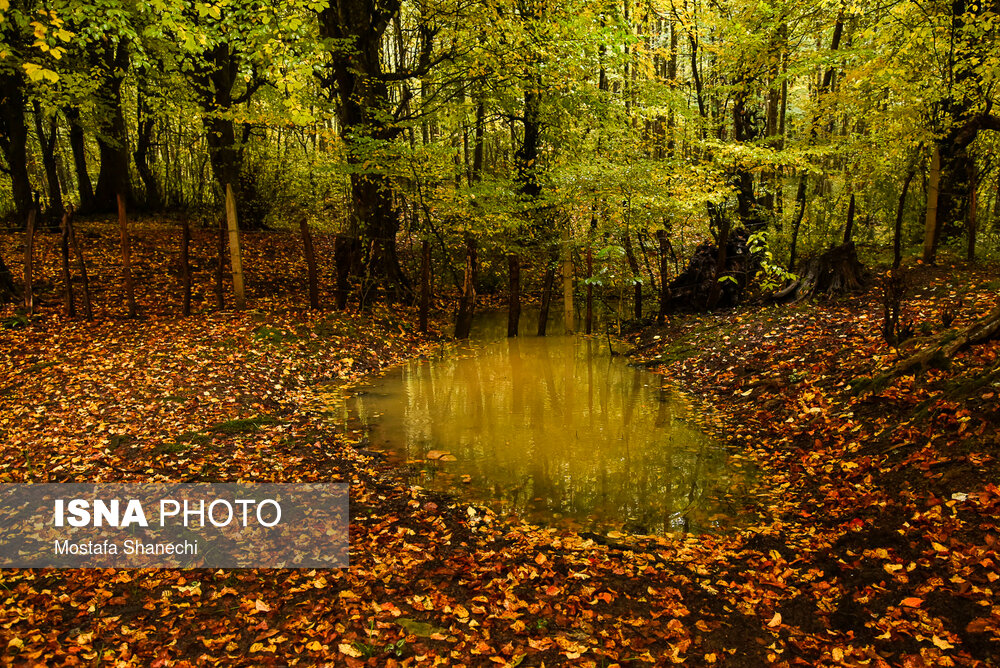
x: 876, y: 542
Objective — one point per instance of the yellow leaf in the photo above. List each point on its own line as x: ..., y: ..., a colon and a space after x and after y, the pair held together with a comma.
x: 348, y: 649
x: 942, y: 644
x: 315, y: 646
x: 261, y: 606
x: 912, y: 602
x: 775, y: 621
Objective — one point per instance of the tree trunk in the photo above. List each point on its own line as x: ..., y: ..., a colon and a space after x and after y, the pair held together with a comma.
x: 307, y: 247
x: 547, y: 283
x: 185, y: 266
x: 931, y: 221
x: 589, y: 321
x: 514, y: 299
x: 78, y: 144
x: 720, y: 263
x: 661, y: 237
x: 235, y: 249
x: 82, y: 266
x: 47, y: 142
x: 973, y: 211
x: 897, y: 236
x: 14, y: 141
x: 849, y: 228
x: 633, y: 266
x: 800, y: 200
x: 365, y: 118
x: 220, y: 265
x: 64, y: 256
x: 425, y: 284
x: 144, y: 141
x: 467, y: 302
x: 29, y: 246
x: 569, y: 317
x: 126, y: 257
x: 113, y: 179
x: 345, y: 252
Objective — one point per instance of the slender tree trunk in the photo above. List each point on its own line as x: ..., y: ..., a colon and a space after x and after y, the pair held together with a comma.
x: 720, y: 261
x: 425, y: 284
x: 126, y: 257
x: 548, y: 282
x: 931, y: 222
x: 64, y: 256
x: 29, y: 247
x: 661, y: 237
x: 897, y: 237
x: 514, y: 298
x: 144, y: 141
x: 973, y: 211
x: 467, y: 303
x: 78, y: 144
x: 235, y: 249
x: 569, y: 316
x: 800, y: 200
x: 849, y: 229
x: 633, y: 266
x: 344, y: 253
x: 47, y: 142
x: 88, y: 310
x: 307, y: 246
x: 185, y: 266
x: 589, y: 322
x: 220, y: 266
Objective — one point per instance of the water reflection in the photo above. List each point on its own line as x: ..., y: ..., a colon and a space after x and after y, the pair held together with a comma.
x: 554, y: 429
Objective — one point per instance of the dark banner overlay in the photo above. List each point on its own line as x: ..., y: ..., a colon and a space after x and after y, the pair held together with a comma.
x: 183, y: 525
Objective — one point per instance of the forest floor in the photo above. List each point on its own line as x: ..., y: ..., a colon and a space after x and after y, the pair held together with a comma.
x: 875, y: 541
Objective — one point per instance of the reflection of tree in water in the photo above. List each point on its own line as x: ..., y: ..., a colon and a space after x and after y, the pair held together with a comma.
x: 552, y: 426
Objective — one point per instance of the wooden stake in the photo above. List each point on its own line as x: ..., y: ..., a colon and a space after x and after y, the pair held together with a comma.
x: 88, y: 311
x: 126, y: 257
x: 67, y: 279
x: 235, y: 249
x: 307, y: 246
x: 29, y: 246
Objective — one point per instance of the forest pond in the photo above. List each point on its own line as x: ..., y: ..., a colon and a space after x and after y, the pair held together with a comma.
x: 555, y: 430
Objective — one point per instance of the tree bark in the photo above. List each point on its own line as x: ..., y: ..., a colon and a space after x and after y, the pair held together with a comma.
x: 78, y: 144
x: 144, y: 140
x: 235, y: 249
x: 547, y: 283
x: 514, y: 298
x: 897, y: 236
x: 47, y: 142
x: 569, y: 316
x: 307, y: 247
x: 113, y: 179
x: 64, y: 257
x: 931, y: 223
x: 800, y: 200
x: 88, y: 311
x: 467, y: 302
x: 973, y: 211
x: 661, y: 237
x: 425, y: 284
x: 220, y: 265
x: 14, y: 140
x: 29, y: 246
x: 633, y: 266
x: 849, y: 228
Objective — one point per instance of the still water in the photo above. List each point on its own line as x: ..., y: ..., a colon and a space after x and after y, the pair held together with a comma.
x: 555, y: 430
